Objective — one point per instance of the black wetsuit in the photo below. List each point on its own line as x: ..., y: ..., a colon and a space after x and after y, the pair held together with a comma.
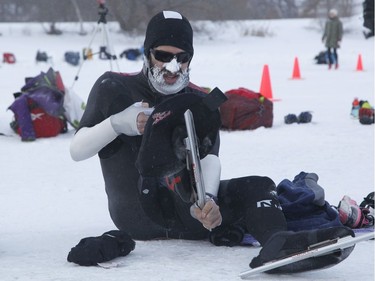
x: 147, y: 208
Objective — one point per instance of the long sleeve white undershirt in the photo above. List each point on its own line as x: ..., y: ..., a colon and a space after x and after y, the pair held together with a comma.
x: 89, y: 141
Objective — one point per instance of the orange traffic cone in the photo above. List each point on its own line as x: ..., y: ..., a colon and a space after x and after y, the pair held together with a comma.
x: 265, y: 86
x: 359, y: 63
x: 296, y: 73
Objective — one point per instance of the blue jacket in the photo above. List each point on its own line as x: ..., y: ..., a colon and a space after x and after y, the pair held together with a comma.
x: 303, y: 203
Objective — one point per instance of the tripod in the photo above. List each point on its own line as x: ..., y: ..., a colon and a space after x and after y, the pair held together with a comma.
x: 105, y: 49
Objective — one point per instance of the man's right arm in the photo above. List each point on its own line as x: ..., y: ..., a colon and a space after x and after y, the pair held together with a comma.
x: 88, y: 141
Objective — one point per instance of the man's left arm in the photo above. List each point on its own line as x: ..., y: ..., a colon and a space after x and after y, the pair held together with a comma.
x: 209, y: 215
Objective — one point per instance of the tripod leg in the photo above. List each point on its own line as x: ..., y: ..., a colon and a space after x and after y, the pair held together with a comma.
x: 109, y: 48
x: 83, y: 60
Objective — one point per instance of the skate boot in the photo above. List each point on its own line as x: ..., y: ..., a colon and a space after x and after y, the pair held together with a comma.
x: 285, y: 243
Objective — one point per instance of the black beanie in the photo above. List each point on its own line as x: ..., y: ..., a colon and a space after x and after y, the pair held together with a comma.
x: 169, y: 28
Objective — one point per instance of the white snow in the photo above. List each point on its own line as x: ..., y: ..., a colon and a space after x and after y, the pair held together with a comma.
x: 48, y: 202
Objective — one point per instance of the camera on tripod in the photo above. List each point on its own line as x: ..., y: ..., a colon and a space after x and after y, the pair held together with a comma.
x: 104, y: 53
x: 105, y: 49
x: 102, y: 11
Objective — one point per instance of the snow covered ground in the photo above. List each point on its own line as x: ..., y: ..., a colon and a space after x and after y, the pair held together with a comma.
x: 48, y: 202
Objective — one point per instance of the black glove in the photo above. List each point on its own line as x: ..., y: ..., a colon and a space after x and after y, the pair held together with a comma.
x: 230, y: 236
x: 93, y: 250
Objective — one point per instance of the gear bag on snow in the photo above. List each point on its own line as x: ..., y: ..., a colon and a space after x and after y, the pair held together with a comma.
x: 321, y: 58
x: 72, y: 57
x: 38, y: 108
x: 9, y: 58
x: 246, y: 110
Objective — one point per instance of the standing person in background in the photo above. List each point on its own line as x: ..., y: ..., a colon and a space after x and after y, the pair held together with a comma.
x: 332, y: 37
x: 368, y: 18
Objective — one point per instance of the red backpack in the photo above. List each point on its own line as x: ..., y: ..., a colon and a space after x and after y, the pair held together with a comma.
x: 9, y: 58
x: 246, y: 110
x: 44, y: 124
x: 366, y: 116
x: 38, y: 108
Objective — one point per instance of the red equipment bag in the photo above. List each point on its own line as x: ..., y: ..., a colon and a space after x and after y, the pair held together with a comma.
x: 246, y: 110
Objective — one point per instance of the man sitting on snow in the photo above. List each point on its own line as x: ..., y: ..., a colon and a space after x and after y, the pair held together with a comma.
x: 135, y: 125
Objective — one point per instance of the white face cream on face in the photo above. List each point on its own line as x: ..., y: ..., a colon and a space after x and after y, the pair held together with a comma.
x: 158, y: 76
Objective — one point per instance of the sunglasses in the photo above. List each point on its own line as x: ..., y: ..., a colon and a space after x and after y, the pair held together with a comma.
x: 164, y: 56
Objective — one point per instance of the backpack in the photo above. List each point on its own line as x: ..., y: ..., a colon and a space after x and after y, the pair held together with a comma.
x: 131, y: 54
x: 246, y: 110
x: 321, y: 58
x: 366, y: 113
x: 41, y: 56
x: 36, y: 122
x: 9, y: 58
x: 72, y: 58
x: 366, y: 116
x: 38, y: 108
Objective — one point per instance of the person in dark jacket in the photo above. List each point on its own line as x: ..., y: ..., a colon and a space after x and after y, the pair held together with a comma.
x: 332, y: 37
x: 368, y: 18
x: 120, y: 124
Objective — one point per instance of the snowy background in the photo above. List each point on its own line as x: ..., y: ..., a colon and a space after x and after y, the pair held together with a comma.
x: 48, y: 202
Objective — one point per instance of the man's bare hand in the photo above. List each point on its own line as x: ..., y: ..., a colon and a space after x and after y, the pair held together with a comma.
x: 209, y: 216
x: 142, y: 119
x: 141, y: 122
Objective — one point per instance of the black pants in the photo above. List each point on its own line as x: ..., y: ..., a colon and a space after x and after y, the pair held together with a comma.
x: 160, y: 213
